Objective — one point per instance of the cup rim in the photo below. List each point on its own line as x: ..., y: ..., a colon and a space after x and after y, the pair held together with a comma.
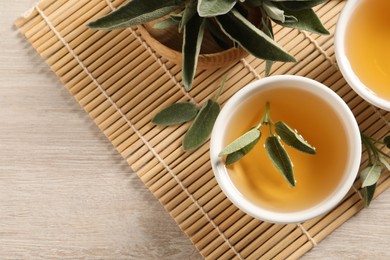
x: 305, y: 84
x: 343, y: 63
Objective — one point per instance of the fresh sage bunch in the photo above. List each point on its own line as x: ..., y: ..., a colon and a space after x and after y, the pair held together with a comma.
x: 227, y: 21
x: 377, y: 160
x: 275, y: 149
x: 203, y: 117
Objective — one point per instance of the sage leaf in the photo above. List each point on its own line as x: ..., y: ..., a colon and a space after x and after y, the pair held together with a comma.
x: 175, y: 114
x: 384, y: 162
x: 218, y: 36
x: 387, y: 141
x: 307, y: 20
x: 267, y: 29
x: 165, y: 24
x: 192, y: 41
x: 208, y: 8
x: 299, y: 5
x: 254, y: 3
x: 292, y: 138
x: 234, y: 157
x: 188, y: 13
x: 241, y: 142
x: 273, y: 11
x: 202, y: 126
x: 268, y: 67
x: 370, y: 175
x: 368, y: 194
x: 252, y: 39
x: 136, y: 12
x: 280, y: 158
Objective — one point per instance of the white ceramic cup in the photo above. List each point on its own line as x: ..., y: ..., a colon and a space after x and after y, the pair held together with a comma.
x: 343, y: 62
x: 304, y: 84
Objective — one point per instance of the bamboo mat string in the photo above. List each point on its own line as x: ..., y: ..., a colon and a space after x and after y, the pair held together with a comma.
x: 85, y: 69
x: 358, y: 192
x: 312, y: 240
x: 250, y: 68
x: 323, y: 52
x: 160, y: 62
x: 381, y: 116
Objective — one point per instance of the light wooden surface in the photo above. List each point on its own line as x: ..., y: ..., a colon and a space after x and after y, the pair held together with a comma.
x: 66, y: 193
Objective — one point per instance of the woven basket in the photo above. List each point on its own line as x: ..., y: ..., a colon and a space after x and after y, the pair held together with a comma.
x: 168, y: 43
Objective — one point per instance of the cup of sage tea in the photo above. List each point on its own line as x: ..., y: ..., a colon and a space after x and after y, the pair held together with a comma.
x: 362, y: 41
x: 285, y: 149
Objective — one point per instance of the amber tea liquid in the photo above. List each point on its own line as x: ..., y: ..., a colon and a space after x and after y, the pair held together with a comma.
x: 368, y: 45
x: 317, y: 175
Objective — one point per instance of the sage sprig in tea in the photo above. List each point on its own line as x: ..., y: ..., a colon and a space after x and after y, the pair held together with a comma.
x: 275, y: 149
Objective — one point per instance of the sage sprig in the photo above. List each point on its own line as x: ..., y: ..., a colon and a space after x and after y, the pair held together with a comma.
x: 377, y: 161
x: 275, y: 149
x: 203, y: 117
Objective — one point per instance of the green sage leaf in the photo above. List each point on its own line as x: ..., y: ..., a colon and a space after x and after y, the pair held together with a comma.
x: 384, y: 162
x: 254, y: 3
x: 202, y: 126
x: 252, y: 39
x: 223, y: 42
x: 136, y: 12
x: 370, y: 175
x: 234, y: 157
x: 280, y: 158
x: 387, y: 141
x: 192, y: 41
x: 299, y: 5
x: 211, y: 8
x: 273, y: 11
x: 368, y: 194
x: 165, y: 24
x: 188, y: 13
x: 241, y: 142
x: 267, y: 29
x: 307, y: 20
x: 292, y: 138
x: 175, y: 114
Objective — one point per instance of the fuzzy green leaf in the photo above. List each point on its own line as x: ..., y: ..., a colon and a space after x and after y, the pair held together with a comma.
x: 292, y: 138
x: 254, y: 3
x: 299, y: 5
x: 188, y: 13
x: 211, y: 8
x: 384, y: 162
x: 306, y: 20
x: 267, y: 29
x: 241, y: 142
x: 273, y: 11
x: 192, y: 41
x: 136, y: 12
x: 280, y: 158
x: 234, y: 157
x: 387, y: 141
x: 175, y: 114
x: 202, y: 126
x: 165, y: 24
x: 370, y: 175
x: 368, y: 194
x: 256, y: 42
x: 223, y: 42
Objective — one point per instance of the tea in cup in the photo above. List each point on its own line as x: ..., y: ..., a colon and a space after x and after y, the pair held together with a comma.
x: 254, y: 184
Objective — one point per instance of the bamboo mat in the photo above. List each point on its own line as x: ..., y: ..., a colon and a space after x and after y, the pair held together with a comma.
x: 119, y: 80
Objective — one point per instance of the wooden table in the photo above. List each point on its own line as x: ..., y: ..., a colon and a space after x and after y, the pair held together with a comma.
x: 66, y: 193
